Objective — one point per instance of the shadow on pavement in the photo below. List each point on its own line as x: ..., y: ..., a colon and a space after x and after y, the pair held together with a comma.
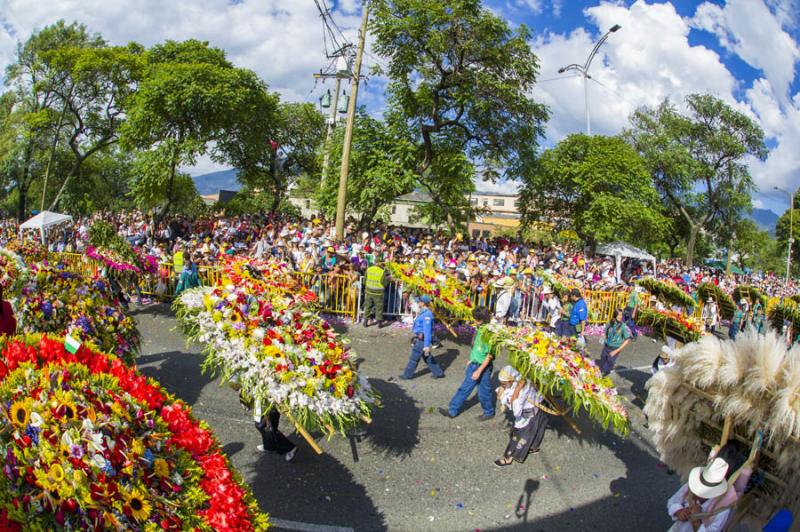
x: 179, y: 373
x: 444, y: 359
x: 395, y: 427
x: 637, y: 378
x: 635, y: 502
x: 314, y: 489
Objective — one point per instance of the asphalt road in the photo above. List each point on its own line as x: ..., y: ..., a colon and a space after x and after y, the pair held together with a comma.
x: 414, y: 470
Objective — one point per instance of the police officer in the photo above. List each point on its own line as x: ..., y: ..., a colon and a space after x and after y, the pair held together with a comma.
x: 376, y: 281
x: 421, y: 343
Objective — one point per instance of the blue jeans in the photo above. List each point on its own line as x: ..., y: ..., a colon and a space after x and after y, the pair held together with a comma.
x: 733, y: 331
x: 485, y: 393
x: 413, y: 361
x: 627, y: 317
x: 606, y: 362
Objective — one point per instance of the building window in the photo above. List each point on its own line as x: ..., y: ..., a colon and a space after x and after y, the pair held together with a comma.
x: 308, y: 204
x: 394, y: 209
x: 487, y: 234
x: 476, y: 233
x: 473, y: 201
x: 499, y: 202
x: 516, y: 204
x: 486, y: 203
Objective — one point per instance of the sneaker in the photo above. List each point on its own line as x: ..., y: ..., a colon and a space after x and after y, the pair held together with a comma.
x: 438, y: 376
x: 288, y: 456
x: 484, y: 417
x: 446, y: 413
x: 260, y: 447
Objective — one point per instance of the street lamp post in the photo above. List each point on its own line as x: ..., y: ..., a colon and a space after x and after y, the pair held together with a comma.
x: 791, y: 235
x: 584, y: 71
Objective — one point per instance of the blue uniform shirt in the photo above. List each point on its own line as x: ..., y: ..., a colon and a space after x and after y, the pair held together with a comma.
x: 423, y: 324
x: 579, y: 312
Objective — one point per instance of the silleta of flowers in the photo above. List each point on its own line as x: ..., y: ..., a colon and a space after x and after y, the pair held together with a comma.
x: 89, y: 443
x: 60, y: 302
x: 448, y: 294
x: 554, y: 366
x: 116, y: 253
x: 667, y: 292
x: 30, y: 250
x: 260, y: 334
x: 670, y: 323
x: 12, y: 270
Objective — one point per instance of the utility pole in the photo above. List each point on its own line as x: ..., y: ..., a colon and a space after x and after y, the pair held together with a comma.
x: 329, y: 134
x: 348, y: 132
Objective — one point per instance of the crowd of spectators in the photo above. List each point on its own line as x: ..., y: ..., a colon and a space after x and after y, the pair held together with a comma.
x: 482, y: 263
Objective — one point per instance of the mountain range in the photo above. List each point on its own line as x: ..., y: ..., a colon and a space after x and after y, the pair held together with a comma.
x: 216, y: 181
x: 213, y: 182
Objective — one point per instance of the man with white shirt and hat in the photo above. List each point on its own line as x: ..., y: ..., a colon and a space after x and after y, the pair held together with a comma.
x: 693, y: 507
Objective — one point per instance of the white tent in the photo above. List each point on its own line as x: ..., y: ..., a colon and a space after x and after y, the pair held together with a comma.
x: 43, y: 221
x: 621, y: 250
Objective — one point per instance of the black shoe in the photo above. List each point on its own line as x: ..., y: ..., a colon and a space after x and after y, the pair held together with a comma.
x: 445, y: 412
x: 438, y: 376
x: 484, y: 417
x: 382, y: 324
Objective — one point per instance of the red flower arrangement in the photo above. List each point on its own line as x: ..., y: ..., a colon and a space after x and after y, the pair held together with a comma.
x: 164, y: 470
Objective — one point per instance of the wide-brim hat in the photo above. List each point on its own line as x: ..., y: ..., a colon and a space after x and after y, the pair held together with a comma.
x: 547, y: 290
x: 508, y: 374
x: 708, y: 482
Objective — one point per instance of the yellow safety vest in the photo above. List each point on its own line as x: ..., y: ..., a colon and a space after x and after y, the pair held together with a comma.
x: 374, y: 279
x: 177, y: 261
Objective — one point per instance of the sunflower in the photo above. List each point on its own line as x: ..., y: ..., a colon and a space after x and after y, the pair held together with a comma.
x: 160, y: 467
x: 20, y: 414
x: 137, y: 506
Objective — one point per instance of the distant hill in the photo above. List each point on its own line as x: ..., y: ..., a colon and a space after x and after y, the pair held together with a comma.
x: 765, y: 219
x: 216, y: 181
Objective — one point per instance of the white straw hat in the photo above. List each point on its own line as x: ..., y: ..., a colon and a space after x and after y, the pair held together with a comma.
x: 709, y: 482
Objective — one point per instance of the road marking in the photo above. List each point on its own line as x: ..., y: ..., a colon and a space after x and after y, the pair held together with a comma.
x: 306, y: 527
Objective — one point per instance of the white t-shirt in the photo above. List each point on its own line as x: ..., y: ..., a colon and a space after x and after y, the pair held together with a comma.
x: 714, y: 523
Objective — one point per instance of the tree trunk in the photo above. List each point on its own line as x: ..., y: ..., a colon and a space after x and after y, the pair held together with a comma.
x: 22, y: 183
x: 690, y: 245
x: 728, y: 260
x: 21, y: 202
x: 162, y: 212
x: 276, y: 202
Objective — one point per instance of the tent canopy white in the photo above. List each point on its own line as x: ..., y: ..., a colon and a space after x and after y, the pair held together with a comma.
x: 620, y: 250
x: 45, y: 220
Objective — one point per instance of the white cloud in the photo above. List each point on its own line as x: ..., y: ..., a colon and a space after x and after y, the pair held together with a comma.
x: 533, y: 5
x: 633, y: 68
x: 650, y: 59
x: 281, y: 41
x: 750, y: 30
x: 500, y: 187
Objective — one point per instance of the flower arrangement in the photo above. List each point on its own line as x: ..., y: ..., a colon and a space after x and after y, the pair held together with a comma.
x: 667, y: 292
x: 12, y: 270
x: 60, y: 302
x: 554, y: 365
x: 725, y: 304
x: 669, y: 323
x: 89, y: 443
x: 750, y: 293
x: 260, y: 333
x: 449, y: 295
x: 788, y: 311
x: 560, y: 284
x: 30, y: 250
x: 116, y: 253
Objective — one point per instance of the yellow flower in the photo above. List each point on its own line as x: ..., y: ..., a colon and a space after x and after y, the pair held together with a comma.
x: 56, y: 473
x: 20, y: 414
x: 161, y: 467
x: 137, y: 447
x: 137, y: 506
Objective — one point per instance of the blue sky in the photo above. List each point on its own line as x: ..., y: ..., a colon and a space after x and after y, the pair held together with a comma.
x: 744, y: 51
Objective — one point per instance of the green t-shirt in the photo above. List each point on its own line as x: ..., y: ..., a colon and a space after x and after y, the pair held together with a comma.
x: 566, y: 311
x: 633, y: 299
x: 616, y: 334
x: 480, y: 349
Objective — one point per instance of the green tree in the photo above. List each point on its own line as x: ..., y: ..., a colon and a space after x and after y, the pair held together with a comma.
x: 694, y: 157
x: 189, y: 97
x: 782, y: 236
x: 459, y: 92
x: 598, y: 187
x: 377, y: 173
x: 273, y: 145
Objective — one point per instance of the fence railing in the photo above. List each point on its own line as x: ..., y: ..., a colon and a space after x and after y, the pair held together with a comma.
x: 342, y: 294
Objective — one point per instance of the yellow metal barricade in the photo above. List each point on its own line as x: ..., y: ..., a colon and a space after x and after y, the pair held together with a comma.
x: 337, y: 294
x: 603, y: 304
